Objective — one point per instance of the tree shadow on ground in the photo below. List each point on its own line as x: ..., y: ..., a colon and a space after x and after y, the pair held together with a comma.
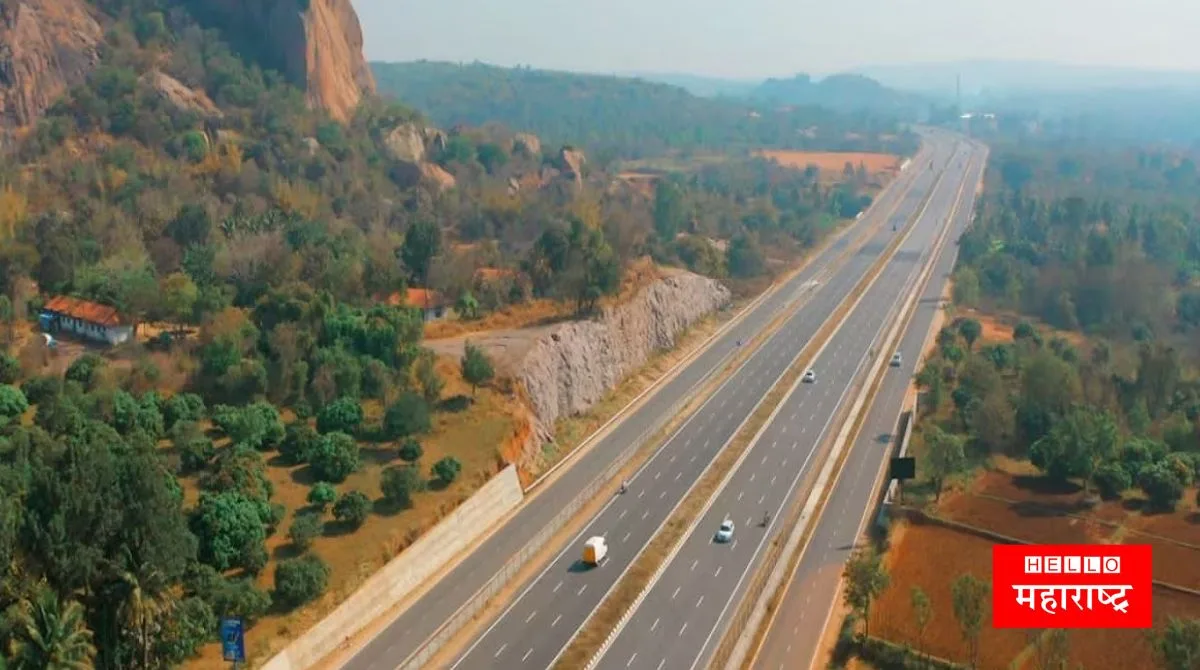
x: 385, y: 507
x: 286, y: 551
x: 1031, y: 509
x: 455, y: 404
x: 1045, y: 486
x: 438, y: 484
x: 304, y: 476
x: 338, y: 529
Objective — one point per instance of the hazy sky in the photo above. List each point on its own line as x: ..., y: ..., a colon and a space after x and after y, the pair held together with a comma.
x: 755, y: 38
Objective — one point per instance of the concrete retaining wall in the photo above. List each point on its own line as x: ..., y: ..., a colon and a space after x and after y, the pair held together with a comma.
x: 401, y: 575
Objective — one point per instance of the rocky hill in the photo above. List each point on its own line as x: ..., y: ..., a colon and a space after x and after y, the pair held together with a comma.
x: 48, y: 47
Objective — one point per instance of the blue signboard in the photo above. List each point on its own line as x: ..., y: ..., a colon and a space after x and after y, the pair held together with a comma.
x: 233, y: 639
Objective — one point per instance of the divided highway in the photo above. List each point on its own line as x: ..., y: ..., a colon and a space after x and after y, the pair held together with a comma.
x: 539, y: 624
x: 794, y: 638
x: 678, y: 623
x: 421, y: 619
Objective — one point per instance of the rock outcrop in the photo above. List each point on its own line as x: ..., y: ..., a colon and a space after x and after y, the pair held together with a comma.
x: 317, y: 44
x: 571, y: 368
x: 570, y: 162
x: 528, y: 144
x: 46, y: 47
x: 406, y: 143
x: 182, y: 97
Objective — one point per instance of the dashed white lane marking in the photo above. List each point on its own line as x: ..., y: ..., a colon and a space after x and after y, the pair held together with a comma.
x: 581, y: 590
x: 553, y: 623
x: 694, y: 564
x: 530, y: 617
x: 500, y: 650
x: 557, y: 587
x: 676, y: 592
x: 526, y: 656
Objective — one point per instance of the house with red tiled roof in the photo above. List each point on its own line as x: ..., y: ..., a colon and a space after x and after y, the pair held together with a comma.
x: 89, y: 320
x: 431, y: 303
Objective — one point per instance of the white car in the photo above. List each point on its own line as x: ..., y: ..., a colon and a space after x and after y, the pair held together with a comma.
x: 725, y: 532
x: 810, y: 377
x: 896, y: 360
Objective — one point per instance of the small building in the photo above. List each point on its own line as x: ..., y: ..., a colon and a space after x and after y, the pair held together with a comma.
x: 431, y: 303
x: 89, y: 320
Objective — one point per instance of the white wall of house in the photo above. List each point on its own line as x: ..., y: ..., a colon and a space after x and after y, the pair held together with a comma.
x: 113, y: 335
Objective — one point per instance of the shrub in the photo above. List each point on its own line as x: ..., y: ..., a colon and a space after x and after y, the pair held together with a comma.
x: 410, y: 450
x: 342, y: 416
x: 12, y: 403
x: 322, y: 495
x: 447, y: 469
x: 299, y: 442
x: 84, y: 369
x: 399, y: 483
x: 183, y: 407
x: 409, y: 415
x: 334, y: 457
x: 39, y: 389
x: 195, y: 454
x: 10, y: 369
x: 352, y: 508
x: 300, y: 580
x: 305, y: 528
x: 1112, y: 480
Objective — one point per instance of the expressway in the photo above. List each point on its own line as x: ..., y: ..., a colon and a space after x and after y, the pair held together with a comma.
x: 542, y: 620
x: 678, y: 623
x: 796, y: 631
x: 405, y: 634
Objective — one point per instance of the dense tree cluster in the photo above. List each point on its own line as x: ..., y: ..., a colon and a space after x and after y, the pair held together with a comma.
x: 624, y: 117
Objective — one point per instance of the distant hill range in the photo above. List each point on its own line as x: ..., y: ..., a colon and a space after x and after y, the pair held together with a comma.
x: 842, y: 92
x: 996, y: 78
x: 633, y: 117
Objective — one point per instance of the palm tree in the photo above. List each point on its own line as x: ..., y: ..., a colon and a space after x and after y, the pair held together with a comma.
x: 145, y: 606
x: 49, y: 634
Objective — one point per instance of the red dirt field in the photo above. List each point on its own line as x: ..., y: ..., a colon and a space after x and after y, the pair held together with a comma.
x: 1126, y: 649
x: 932, y: 557
x: 833, y: 162
x: 913, y: 561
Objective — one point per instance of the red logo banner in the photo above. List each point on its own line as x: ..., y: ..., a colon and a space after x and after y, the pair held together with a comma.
x: 1072, y: 586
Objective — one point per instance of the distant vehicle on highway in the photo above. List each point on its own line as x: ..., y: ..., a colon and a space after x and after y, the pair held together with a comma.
x: 895, y: 360
x: 594, y: 551
x: 809, y: 376
x: 725, y: 532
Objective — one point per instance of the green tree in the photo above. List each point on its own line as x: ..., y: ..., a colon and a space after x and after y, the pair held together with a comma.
x: 304, y: 529
x: 670, y: 215
x: 1177, y: 645
x: 400, y: 483
x: 195, y: 450
x: 1076, y: 445
x: 352, y: 508
x: 334, y: 457
x: 257, y: 426
x: 179, y: 295
x: 922, y: 611
x: 182, y: 407
x: 10, y: 369
x: 970, y: 329
x: 428, y: 379
x: 299, y: 442
x: 476, y: 366
x: 866, y: 578
x: 744, y: 257
x: 1051, y: 648
x: 410, y: 450
x: 300, y: 580
x: 467, y: 307
x: 422, y: 242
x: 966, y: 287
x: 232, y: 531
x: 12, y: 403
x: 1112, y: 479
x: 409, y: 415
x: 343, y: 415
x: 1162, y: 485
x: 945, y: 456
x: 491, y: 156
x: 970, y: 597
x: 7, y: 317
x: 49, y: 634
x: 447, y: 469
x: 322, y: 495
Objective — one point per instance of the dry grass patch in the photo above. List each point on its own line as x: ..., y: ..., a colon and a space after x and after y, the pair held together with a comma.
x: 833, y: 163
x: 472, y: 436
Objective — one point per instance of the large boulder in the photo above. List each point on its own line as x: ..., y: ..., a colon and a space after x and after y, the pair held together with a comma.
x: 46, y: 48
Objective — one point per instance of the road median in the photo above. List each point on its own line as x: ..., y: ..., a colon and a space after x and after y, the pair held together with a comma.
x: 489, y: 601
x: 609, y: 617
x: 774, y: 577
